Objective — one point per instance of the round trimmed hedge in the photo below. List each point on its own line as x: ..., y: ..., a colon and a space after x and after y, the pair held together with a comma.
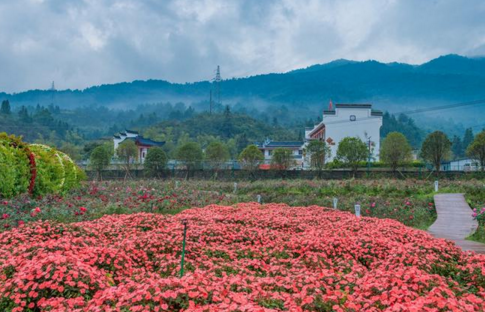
x: 34, y: 168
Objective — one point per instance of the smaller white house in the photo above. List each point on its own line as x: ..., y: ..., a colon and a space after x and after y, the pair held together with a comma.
x: 465, y: 164
x: 267, y: 147
x: 142, y: 144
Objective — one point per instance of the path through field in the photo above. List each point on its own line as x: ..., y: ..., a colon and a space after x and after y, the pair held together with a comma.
x: 455, y: 221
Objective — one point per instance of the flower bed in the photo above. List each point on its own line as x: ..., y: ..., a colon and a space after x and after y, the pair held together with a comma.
x: 249, y: 258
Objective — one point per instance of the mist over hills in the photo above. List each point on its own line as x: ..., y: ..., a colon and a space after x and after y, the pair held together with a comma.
x: 394, y: 87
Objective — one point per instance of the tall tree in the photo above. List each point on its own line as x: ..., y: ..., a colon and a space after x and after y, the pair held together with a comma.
x: 128, y: 152
x: 476, y: 149
x: 251, y: 157
x: 99, y: 159
x: 227, y: 126
x: 467, y: 138
x: 351, y: 151
x: 5, y: 109
x: 436, y: 148
x: 155, y: 161
x: 24, y: 115
x: 217, y: 154
x: 318, y: 151
x: 457, y: 147
x: 190, y: 154
x: 282, y: 159
x: 395, y: 150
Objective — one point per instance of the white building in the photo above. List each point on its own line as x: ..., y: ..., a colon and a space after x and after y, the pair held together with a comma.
x: 267, y: 147
x: 465, y: 164
x: 141, y: 143
x: 348, y: 120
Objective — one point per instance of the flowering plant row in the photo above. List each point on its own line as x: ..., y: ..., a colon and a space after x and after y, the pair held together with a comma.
x: 34, y: 168
x: 101, y: 198
x: 243, y: 258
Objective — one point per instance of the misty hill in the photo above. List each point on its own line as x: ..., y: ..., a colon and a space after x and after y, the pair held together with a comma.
x: 392, y: 86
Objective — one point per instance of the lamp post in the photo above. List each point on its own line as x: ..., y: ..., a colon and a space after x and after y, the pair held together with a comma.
x: 369, y: 157
x: 335, y: 202
x: 184, y: 222
x: 357, y: 210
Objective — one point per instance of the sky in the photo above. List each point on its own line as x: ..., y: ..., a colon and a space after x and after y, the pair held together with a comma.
x: 81, y: 43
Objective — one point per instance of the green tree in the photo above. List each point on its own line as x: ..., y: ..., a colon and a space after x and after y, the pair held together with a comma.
x: 72, y: 150
x: 5, y: 109
x: 128, y: 152
x: 282, y: 159
x: 190, y: 154
x: 24, y: 115
x: 217, y: 154
x: 351, y: 151
x: 436, y: 148
x: 467, y: 138
x: 396, y: 150
x: 251, y: 157
x: 318, y: 151
x: 155, y: 161
x: 476, y: 149
x: 457, y: 147
x: 99, y: 159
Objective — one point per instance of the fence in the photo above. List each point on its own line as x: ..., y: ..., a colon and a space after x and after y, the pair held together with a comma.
x: 238, y: 175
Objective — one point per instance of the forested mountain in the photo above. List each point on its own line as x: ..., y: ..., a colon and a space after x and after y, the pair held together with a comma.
x: 394, y: 86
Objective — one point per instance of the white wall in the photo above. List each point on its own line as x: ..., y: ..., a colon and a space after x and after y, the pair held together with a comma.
x: 339, y: 126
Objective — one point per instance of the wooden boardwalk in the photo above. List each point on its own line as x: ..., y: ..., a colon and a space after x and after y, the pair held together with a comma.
x: 455, y: 222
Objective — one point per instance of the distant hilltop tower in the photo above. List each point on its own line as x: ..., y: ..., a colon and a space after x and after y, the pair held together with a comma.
x: 215, y: 92
x: 53, y: 87
x: 53, y: 92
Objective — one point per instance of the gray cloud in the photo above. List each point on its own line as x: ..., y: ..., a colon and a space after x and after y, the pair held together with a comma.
x: 79, y: 43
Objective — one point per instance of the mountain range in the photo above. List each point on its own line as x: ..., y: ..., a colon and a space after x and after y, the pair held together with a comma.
x: 395, y: 87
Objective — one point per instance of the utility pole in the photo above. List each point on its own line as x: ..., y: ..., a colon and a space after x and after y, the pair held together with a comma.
x: 369, y: 157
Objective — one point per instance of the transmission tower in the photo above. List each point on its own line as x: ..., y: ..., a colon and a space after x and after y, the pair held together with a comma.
x: 53, y: 92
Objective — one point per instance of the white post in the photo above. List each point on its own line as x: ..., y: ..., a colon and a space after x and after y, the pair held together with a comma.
x: 176, y: 184
x: 436, y: 186
x: 259, y: 199
x: 235, y: 187
x: 357, y: 210
x: 335, y: 201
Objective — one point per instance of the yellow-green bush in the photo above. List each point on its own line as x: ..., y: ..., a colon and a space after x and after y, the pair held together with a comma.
x: 50, y: 171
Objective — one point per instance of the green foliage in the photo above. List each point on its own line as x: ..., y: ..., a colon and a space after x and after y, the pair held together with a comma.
x: 155, y: 161
x: 318, y: 151
x: 476, y: 149
x: 251, y: 157
x: 436, y: 148
x: 404, y: 125
x: 100, y: 159
x: 395, y: 150
x: 282, y: 159
x: 351, y: 151
x: 5, y: 108
x: 50, y: 170
x: 217, y: 154
x: 127, y: 151
x: 190, y: 154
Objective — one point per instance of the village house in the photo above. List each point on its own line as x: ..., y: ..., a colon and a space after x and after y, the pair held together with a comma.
x: 143, y: 144
x: 347, y: 120
x: 267, y: 147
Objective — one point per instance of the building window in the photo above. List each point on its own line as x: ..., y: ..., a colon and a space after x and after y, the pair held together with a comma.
x: 353, y: 118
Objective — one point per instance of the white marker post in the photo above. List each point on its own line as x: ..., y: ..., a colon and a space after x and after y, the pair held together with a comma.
x: 176, y: 184
x: 335, y: 202
x: 436, y: 186
x: 235, y: 187
x: 259, y: 199
x: 357, y: 210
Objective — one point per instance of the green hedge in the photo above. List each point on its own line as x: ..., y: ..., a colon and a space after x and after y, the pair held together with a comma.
x: 34, y: 168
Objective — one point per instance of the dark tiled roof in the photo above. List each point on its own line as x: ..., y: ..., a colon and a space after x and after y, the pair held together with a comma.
x: 117, y: 136
x: 353, y: 105
x: 282, y: 144
x: 376, y: 113
x: 147, y: 142
x: 131, y: 131
x: 329, y: 112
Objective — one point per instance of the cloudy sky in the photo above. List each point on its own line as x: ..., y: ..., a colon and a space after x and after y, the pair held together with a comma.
x: 79, y: 43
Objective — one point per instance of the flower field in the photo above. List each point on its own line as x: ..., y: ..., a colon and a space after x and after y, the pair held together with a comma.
x: 245, y: 258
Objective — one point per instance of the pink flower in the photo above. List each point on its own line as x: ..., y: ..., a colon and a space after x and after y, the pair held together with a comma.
x: 5, y: 216
x: 83, y: 209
